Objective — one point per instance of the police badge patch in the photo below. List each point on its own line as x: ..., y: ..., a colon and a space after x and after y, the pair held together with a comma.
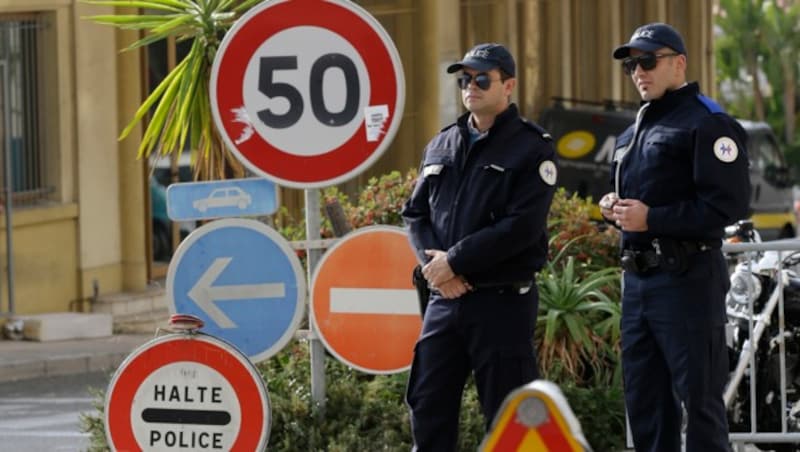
x: 725, y: 149
x: 547, y: 170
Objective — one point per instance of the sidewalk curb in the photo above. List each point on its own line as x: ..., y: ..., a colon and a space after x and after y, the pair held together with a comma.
x: 21, y: 360
x: 60, y: 365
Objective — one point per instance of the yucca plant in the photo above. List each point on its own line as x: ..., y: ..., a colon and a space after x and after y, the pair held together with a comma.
x: 578, y: 320
x: 180, y: 104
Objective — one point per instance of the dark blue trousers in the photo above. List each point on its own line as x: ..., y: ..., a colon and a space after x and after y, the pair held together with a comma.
x: 673, y: 351
x: 486, y: 332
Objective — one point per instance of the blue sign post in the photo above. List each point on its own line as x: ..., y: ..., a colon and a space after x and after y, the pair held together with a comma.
x: 244, y: 280
x: 224, y: 198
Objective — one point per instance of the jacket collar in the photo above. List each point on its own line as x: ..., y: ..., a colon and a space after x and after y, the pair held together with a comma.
x: 675, y: 97
x: 503, y: 117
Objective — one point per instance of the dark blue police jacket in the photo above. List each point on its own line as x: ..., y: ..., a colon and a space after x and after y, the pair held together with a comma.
x: 688, y: 163
x: 485, y: 204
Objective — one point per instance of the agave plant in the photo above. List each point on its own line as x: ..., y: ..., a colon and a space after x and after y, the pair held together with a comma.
x: 180, y: 104
x: 578, y: 320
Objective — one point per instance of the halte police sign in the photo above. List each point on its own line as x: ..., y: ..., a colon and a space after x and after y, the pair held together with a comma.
x: 308, y: 93
x: 187, y: 392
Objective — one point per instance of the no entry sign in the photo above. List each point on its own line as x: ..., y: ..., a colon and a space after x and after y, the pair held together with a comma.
x: 187, y: 392
x: 308, y: 93
x: 363, y: 302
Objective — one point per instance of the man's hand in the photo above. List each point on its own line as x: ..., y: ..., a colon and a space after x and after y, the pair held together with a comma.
x: 438, y: 270
x: 607, y: 204
x: 630, y: 215
x: 453, y: 288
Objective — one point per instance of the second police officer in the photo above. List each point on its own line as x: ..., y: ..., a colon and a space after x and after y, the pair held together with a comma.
x: 681, y: 176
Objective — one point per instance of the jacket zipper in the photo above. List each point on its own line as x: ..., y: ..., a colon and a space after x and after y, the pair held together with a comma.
x: 639, y: 117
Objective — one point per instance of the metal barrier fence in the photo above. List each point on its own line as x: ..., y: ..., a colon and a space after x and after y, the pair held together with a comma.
x: 757, y: 324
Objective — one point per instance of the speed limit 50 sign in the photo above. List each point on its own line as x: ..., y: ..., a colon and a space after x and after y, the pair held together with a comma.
x: 308, y: 93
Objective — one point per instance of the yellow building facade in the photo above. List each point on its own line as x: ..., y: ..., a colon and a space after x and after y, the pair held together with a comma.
x: 82, y: 221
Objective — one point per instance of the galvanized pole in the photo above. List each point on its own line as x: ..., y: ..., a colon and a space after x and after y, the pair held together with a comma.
x: 8, y: 188
x: 313, y: 255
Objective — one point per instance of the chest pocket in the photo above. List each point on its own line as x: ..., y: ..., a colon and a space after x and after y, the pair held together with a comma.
x: 437, y: 168
x: 666, y: 145
x: 665, y: 161
x: 491, y: 189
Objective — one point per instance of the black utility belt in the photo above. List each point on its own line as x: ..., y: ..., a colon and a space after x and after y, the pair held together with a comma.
x: 665, y: 254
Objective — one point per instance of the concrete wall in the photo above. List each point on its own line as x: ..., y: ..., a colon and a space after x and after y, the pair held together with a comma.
x: 93, y: 227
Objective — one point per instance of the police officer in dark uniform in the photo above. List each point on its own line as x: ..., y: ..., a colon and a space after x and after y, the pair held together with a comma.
x: 477, y: 219
x: 680, y: 175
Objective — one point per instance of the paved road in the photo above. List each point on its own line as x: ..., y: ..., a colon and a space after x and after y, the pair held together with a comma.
x: 43, y: 414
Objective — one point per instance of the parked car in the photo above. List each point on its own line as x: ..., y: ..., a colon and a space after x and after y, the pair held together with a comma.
x: 161, y: 223
x: 162, y: 238
x: 585, y: 135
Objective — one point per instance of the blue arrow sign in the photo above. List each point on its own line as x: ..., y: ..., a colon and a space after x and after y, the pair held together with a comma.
x: 244, y: 280
x: 225, y: 198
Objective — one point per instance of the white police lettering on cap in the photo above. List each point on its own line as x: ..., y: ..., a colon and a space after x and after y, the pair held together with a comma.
x: 646, y: 34
x: 480, y: 53
x: 547, y: 170
x: 725, y: 149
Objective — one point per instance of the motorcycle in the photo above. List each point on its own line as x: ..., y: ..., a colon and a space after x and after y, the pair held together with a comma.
x: 755, y: 288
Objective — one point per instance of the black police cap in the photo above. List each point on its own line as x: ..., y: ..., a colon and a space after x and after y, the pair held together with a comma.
x: 484, y: 57
x: 651, y: 37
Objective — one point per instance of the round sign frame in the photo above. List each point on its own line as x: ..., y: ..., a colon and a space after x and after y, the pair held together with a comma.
x: 332, y: 345
x: 386, y: 80
x: 196, y: 348
x: 280, y: 242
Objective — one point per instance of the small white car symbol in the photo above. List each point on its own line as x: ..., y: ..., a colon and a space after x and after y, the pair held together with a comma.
x: 224, y: 197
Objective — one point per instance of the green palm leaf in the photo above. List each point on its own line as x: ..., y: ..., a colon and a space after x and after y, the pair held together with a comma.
x: 178, y: 109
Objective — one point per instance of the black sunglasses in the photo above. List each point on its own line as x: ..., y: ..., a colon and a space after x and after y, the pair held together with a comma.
x: 647, y: 61
x: 482, y: 80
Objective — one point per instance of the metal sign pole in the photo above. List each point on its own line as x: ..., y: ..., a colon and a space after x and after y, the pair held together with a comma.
x: 313, y: 255
x: 8, y: 187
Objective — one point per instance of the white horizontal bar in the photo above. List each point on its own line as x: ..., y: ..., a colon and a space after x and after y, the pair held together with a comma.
x: 312, y: 244
x: 347, y: 300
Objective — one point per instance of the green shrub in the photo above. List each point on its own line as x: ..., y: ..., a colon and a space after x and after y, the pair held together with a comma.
x: 379, y: 202
x: 94, y: 423
x: 570, y: 218
x: 600, y: 408
x: 575, y: 337
x: 362, y: 412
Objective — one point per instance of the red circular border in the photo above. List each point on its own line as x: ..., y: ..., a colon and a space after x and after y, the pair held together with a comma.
x: 243, y: 44
x: 150, y: 358
x: 336, y: 340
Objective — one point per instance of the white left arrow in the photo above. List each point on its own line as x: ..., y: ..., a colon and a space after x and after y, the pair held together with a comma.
x: 204, y: 294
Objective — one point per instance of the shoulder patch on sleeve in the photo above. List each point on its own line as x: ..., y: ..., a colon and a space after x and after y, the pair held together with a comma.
x: 725, y: 149
x: 548, y: 172
x: 537, y: 128
x: 710, y: 104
